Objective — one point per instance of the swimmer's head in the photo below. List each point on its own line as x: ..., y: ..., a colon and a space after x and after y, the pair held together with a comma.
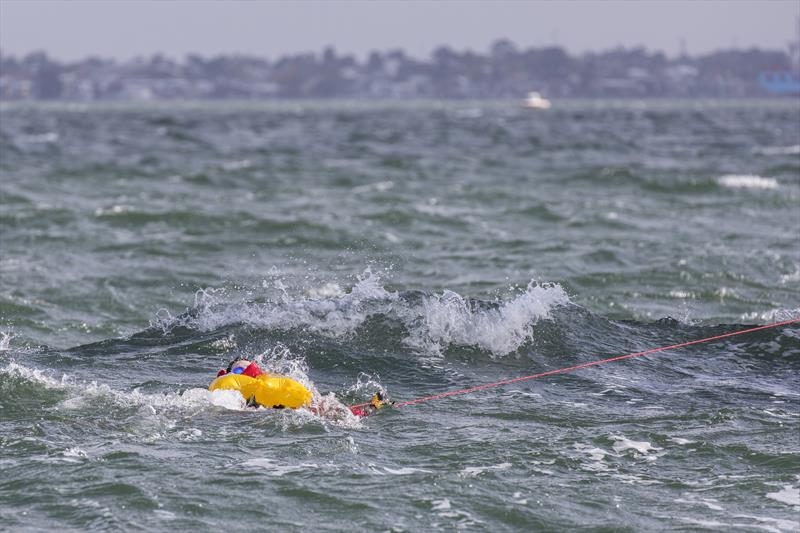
x: 241, y: 366
x: 237, y: 366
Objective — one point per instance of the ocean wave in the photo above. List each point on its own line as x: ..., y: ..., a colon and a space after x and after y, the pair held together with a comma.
x: 336, y: 315
x: 50, y: 137
x: 430, y: 322
x: 16, y: 378
x: 793, y: 149
x: 772, y: 315
x: 747, y: 181
x: 448, y: 319
x: 80, y: 392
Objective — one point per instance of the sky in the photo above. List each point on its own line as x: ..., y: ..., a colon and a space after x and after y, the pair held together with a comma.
x: 122, y: 29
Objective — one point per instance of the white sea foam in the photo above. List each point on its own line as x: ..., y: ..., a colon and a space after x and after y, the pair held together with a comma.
x: 391, y: 237
x: 272, y: 468
x: 325, y: 408
x: 236, y: 165
x: 792, y: 277
x: 328, y: 290
x: 773, y: 315
x: 41, y: 138
x: 74, y: 455
x: 477, y: 470
x: 448, y: 318
x: 406, y: 471
x: 440, y: 505
x: 623, y: 444
x: 684, y: 295
x: 595, y: 454
x: 334, y: 316
x: 433, y: 321
x: 632, y: 479
x: 380, y: 186
x: 5, y: 340
x: 779, y: 526
x: 115, y: 209
x: 780, y: 523
x: 226, y: 343
x: 458, y: 519
x: 228, y: 399
x: 788, y: 495
x: 793, y: 149
x: 710, y: 503
x: 32, y: 374
x: 747, y: 181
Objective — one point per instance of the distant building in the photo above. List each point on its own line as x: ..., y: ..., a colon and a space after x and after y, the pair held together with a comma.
x: 506, y: 71
x: 781, y: 83
x: 785, y: 82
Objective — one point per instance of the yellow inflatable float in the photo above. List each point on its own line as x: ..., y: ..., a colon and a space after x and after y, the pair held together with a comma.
x: 261, y: 388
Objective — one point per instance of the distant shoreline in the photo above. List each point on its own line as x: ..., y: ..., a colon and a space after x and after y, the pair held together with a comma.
x: 504, y: 71
x: 372, y: 103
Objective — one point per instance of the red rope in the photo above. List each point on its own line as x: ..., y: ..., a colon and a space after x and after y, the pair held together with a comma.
x: 584, y: 365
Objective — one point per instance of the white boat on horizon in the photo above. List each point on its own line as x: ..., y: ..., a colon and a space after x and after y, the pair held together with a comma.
x: 534, y: 100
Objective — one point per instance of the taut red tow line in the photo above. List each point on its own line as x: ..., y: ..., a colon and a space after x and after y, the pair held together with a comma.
x: 362, y: 409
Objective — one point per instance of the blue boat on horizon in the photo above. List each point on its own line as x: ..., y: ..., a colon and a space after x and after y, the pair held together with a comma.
x: 783, y: 83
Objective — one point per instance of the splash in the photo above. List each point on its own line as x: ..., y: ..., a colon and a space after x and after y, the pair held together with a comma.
x: 81, y: 393
x: 431, y: 322
x: 365, y: 386
x: 325, y: 409
x: 450, y: 319
x: 337, y: 315
x: 5, y: 341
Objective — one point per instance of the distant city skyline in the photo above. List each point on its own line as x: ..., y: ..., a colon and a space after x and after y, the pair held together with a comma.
x: 124, y: 29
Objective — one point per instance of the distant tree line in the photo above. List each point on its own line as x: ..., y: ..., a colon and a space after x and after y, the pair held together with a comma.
x: 505, y: 71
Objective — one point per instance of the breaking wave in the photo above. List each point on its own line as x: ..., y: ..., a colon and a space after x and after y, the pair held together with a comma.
x: 793, y: 149
x: 431, y: 322
x: 16, y: 379
x: 747, y: 181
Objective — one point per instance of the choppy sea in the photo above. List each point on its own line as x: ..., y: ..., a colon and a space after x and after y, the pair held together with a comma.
x: 411, y: 248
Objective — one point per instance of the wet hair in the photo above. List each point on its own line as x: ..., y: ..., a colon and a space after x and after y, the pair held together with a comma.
x: 233, y: 362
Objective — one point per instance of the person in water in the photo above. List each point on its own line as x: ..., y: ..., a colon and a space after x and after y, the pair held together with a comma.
x: 241, y: 366
x: 261, y: 388
x: 251, y: 369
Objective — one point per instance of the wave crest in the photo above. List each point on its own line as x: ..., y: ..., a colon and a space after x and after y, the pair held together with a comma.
x: 449, y: 318
x: 747, y: 181
x: 428, y: 322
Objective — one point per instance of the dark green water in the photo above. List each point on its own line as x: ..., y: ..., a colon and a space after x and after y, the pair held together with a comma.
x: 413, y: 248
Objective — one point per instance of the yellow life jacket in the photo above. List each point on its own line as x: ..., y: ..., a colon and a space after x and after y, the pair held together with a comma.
x: 265, y: 390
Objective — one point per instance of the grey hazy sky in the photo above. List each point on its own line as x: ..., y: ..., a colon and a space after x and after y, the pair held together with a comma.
x: 122, y: 29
